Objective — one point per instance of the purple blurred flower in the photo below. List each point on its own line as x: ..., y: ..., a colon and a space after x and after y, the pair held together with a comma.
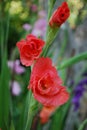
x: 76, y: 103
x: 39, y: 28
x: 78, y: 93
x: 42, y: 13
x: 16, y: 89
x: 27, y: 26
x: 34, y: 8
x: 16, y: 67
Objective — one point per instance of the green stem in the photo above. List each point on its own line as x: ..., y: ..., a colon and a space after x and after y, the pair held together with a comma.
x: 31, y: 110
x: 82, y: 125
x: 50, y: 32
x: 49, y: 39
x: 51, y: 5
x: 73, y: 60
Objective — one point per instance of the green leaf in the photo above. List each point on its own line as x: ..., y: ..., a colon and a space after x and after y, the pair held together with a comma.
x: 4, y: 94
x: 83, y: 125
x: 73, y: 61
x: 59, y: 117
x: 12, y: 126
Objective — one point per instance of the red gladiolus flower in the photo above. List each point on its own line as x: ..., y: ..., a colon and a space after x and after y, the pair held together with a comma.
x: 45, y: 114
x: 46, y: 84
x: 60, y: 15
x: 30, y: 49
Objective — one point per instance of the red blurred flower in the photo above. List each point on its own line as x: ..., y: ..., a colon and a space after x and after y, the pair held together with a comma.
x: 30, y: 49
x: 45, y: 114
x: 60, y: 15
x: 46, y: 84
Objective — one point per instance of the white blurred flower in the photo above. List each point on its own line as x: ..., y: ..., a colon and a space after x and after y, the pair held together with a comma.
x: 16, y: 89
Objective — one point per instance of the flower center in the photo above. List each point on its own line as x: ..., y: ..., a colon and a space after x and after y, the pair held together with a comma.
x: 46, y: 82
x: 43, y: 84
x: 62, y: 15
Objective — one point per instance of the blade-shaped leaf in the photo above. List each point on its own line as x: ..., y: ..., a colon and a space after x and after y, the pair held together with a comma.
x: 4, y: 94
x: 83, y: 125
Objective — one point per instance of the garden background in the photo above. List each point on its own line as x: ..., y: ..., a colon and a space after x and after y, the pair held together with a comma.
x: 21, y: 17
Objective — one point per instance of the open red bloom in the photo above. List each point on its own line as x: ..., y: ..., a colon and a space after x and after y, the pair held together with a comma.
x: 46, y: 84
x: 30, y: 49
x: 60, y: 15
x: 45, y: 114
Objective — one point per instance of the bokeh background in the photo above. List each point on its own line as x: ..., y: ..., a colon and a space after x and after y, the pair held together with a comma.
x: 21, y: 17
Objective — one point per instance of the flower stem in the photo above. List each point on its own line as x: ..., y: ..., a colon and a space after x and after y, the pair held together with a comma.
x: 49, y: 39
x: 51, y: 5
x: 50, y: 32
